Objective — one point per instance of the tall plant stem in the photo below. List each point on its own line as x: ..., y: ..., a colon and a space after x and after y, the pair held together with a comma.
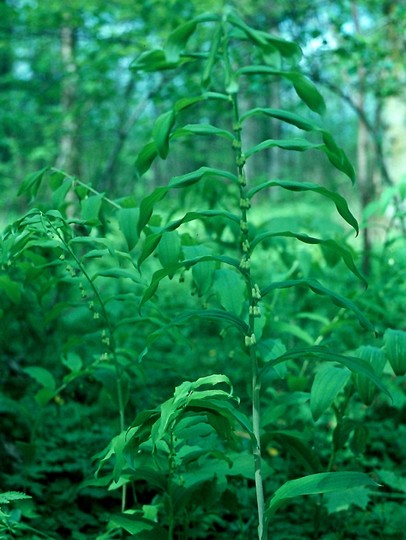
x: 109, y: 341
x: 254, y: 297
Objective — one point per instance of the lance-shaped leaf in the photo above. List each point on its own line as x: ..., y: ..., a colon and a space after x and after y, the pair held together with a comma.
x: 178, y: 39
x: 315, y: 484
x: 152, y: 241
x: 299, y: 145
x: 231, y: 290
x: 32, y: 182
x: 317, y: 288
x: 376, y: 358
x: 204, y: 314
x: 305, y: 89
x: 184, y: 103
x: 161, y: 132
x: 127, y: 221
x: 145, y: 158
x: 395, y: 349
x: 338, y: 200
x: 341, y: 251
x: 287, y: 49
x: 334, y: 153
x: 202, y: 129
x: 328, y: 382
x: 354, y: 364
x: 155, y: 60
x: 214, y: 49
x: 159, y: 275
x: 286, y: 116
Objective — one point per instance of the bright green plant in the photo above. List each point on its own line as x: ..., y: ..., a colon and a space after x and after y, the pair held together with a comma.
x: 234, y: 286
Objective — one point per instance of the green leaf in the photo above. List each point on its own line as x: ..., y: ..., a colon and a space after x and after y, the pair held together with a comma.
x: 203, y: 129
x: 32, y: 182
x: 191, y: 178
x: 42, y: 376
x: 317, y: 288
x: 214, y: 49
x: 230, y: 289
x: 203, y: 271
x: 169, y: 249
x: 72, y: 361
x: 305, y: 89
x: 184, y: 103
x: 161, y: 132
x: 288, y: 49
x: 376, y: 358
x: 299, y: 145
x: 356, y: 365
x: 342, y: 500
x: 395, y: 349
x: 10, y: 496
x: 316, y: 484
x: 286, y: 116
x: 91, y: 208
x: 178, y: 39
x: 11, y: 288
x: 339, y: 201
x: 147, y: 206
x: 154, y: 60
x: 188, y: 263
x: 135, y: 524
x: 59, y: 194
x: 145, y: 158
x: 328, y: 382
x: 330, y: 245
x: 296, y: 445
x: 127, y: 221
x: 307, y: 92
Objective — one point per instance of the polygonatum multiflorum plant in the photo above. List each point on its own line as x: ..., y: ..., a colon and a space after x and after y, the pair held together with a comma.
x: 193, y: 465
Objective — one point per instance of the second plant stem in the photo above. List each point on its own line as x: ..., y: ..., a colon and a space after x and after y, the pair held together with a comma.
x: 254, y: 312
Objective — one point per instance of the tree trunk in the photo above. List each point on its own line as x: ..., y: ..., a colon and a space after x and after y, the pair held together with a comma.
x: 68, y: 158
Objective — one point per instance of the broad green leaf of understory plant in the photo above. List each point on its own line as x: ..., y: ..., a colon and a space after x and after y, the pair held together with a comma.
x: 315, y: 484
x: 230, y: 289
x: 169, y: 249
x: 395, y: 349
x: 127, y: 220
x: 171, y: 409
x: 187, y: 263
x: 356, y: 365
x: 328, y: 382
x: 366, y: 389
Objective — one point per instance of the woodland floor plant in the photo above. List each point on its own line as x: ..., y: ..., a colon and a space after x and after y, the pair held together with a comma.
x: 192, y: 466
